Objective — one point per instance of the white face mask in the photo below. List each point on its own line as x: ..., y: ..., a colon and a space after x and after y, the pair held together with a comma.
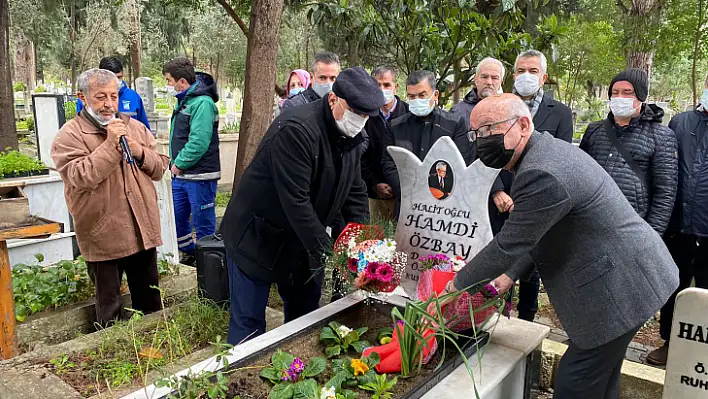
x: 322, y: 88
x: 121, y: 85
x: 388, y: 95
x: 171, y: 90
x: 526, y: 84
x: 421, y: 106
x: 704, y: 99
x: 622, y: 107
x: 351, y: 124
x: 98, y: 117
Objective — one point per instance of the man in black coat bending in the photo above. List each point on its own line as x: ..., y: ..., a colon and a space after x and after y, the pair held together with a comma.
x: 306, y: 171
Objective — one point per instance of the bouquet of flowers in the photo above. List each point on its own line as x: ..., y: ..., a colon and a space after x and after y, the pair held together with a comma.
x: 438, y: 270
x: 367, y: 261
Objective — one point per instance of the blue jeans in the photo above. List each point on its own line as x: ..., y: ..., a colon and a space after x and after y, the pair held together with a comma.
x: 249, y: 298
x: 194, y: 202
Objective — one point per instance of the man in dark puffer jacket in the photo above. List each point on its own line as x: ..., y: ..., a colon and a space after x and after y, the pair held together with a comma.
x: 687, y: 235
x: 652, y: 146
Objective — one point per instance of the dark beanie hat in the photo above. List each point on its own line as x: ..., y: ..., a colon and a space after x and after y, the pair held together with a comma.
x: 639, y: 80
x: 360, y: 91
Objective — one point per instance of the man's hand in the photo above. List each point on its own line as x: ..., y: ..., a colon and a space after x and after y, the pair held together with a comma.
x: 115, y: 130
x: 383, y: 190
x: 503, y: 283
x: 503, y: 202
x: 175, y: 170
x: 135, y: 148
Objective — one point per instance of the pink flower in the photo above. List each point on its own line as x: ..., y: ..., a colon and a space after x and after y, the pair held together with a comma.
x: 352, y: 264
x: 490, y: 291
x: 384, y: 273
x: 297, y: 366
x: 371, y: 270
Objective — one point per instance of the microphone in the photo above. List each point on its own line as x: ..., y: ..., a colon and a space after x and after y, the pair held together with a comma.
x: 127, y: 155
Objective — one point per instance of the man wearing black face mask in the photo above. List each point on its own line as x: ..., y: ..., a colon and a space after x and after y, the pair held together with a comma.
x: 307, y: 171
x: 564, y: 199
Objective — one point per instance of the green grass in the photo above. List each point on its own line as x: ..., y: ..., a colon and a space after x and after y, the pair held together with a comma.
x: 222, y: 199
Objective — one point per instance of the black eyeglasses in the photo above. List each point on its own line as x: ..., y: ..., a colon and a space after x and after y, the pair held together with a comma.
x: 486, y: 130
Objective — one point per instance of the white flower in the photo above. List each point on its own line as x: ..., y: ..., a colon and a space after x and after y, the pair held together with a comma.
x: 330, y: 393
x: 344, y: 331
x: 458, y: 264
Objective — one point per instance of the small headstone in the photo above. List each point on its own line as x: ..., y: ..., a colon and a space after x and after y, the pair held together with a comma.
x: 444, y: 206
x: 49, y: 118
x: 143, y: 86
x: 687, y: 366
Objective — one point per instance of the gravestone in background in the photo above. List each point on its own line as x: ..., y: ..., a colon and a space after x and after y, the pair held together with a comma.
x: 48, y: 119
x: 144, y: 88
x: 449, y: 217
x: 687, y: 366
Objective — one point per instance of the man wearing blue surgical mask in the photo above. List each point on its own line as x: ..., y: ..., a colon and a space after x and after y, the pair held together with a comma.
x: 323, y: 73
x: 129, y: 101
x: 421, y: 127
x: 687, y: 234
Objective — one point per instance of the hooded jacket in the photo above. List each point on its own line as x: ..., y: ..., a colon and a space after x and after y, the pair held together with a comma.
x: 194, y: 137
x: 655, y: 151
x: 690, y: 214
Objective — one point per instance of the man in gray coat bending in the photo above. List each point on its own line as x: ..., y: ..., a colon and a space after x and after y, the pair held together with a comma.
x: 613, y: 272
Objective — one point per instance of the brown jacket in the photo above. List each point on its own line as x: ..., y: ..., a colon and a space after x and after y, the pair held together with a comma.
x: 114, y: 204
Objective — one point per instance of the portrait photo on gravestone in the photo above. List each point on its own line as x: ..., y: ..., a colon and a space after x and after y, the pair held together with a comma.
x: 444, y: 206
x: 441, y: 179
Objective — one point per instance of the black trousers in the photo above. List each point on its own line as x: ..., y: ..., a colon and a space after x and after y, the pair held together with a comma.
x: 529, y: 286
x: 141, y: 271
x: 690, y: 254
x: 592, y: 373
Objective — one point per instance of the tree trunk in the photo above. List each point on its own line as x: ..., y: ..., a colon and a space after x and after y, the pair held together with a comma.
x: 8, y: 134
x: 696, y: 53
x: 641, y: 17
x: 456, y: 84
x: 135, y: 42
x: 24, y: 65
x: 72, y: 41
x: 261, y: 56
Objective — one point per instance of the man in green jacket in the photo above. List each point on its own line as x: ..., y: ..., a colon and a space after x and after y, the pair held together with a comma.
x: 194, y: 152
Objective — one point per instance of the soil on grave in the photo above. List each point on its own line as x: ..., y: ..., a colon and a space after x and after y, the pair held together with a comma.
x: 246, y: 383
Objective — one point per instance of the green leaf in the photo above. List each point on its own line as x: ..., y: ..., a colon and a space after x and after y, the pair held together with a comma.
x: 338, y: 380
x: 333, y: 351
x: 316, y: 366
x: 373, y: 360
x: 282, y: 360
x: 361, y: 331
x: 368, y: 378
x: 271, y: 374
x: 329, y: 334
x: 384, y: 332
x: 284, y: 390
x: 508, y: 5
x: 306, y: 389
x: 359, y: 346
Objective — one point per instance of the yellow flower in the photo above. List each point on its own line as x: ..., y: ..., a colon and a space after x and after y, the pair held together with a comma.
x: 360, y: 368
x: 77, y: 277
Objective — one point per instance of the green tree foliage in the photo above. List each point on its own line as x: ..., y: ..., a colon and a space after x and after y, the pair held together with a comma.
x: 438, y: 35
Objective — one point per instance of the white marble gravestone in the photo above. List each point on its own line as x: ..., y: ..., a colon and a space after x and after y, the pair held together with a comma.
x: 49, y: 118
x: 456, y: 224
x: 687, y: 366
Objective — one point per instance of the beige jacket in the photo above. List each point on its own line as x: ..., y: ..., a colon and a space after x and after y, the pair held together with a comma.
x: 114, y: 204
